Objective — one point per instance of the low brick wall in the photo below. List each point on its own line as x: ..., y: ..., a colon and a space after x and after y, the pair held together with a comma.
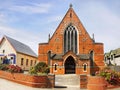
x: 96, y: 83
x: 47, y: 81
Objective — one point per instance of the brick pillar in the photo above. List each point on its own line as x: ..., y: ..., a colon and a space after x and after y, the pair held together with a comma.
x: 83, y: 81
x: 51, y: 82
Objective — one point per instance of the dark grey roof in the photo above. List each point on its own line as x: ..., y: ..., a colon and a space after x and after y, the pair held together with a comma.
x: 84, y: 56
x: 20, y: 47
x: 56, y: 56
x: 115, y: 52
x: 80, y: 56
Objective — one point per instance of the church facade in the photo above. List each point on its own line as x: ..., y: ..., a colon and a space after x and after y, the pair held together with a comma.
x: 71, y: 50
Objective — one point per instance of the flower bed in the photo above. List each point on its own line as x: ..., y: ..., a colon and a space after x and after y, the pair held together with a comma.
x: 44, y: 81
x: 11, y: 68
x: 14, y: 69
x: 112, y: 78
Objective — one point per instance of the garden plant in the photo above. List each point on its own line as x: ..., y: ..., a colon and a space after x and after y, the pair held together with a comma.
x: 40, y: 69
x: 112, y: 77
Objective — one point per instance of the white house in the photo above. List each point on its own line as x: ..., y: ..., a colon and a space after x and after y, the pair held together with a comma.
x: 113, y: 57
x: 15, y: 52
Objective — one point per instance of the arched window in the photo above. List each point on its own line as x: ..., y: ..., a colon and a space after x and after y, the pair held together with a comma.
x: 84, y: 67
x: 92, y: 59
x: 70, y: 39
x: 55, y: 66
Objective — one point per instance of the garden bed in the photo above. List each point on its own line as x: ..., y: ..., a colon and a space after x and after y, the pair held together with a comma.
x: 112, y: 77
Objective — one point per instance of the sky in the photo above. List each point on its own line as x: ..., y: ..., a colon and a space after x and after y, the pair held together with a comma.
x: 31, y: 21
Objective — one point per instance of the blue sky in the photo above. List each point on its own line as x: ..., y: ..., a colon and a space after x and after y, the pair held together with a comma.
x: 30, y: 21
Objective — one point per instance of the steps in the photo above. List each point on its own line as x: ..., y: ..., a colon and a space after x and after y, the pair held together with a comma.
x: 67, y: 80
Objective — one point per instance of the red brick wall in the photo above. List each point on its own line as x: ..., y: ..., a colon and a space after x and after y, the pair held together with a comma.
x: 96, y: 83
x: 29, y: 80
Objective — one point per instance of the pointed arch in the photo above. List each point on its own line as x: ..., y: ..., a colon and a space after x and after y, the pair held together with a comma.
x: 92, y: 58
x: 55, y: 66
x: 70, y: 65
x: 85, y: 67
x: 70, y: 39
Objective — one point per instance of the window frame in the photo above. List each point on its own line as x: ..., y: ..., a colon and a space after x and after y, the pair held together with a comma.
x: 31, y: 62
x: 27, y: 62
x: 70, y: 39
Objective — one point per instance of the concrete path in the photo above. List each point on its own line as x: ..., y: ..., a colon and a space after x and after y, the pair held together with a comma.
x: 8, y: 85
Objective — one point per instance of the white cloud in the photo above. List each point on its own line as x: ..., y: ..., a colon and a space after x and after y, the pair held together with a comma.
x: 29, y: 38
x: 2, y: 18
x: 7, y: 30
x: 97, y: 18
x: 102, y: 21
x: 55, y: 18
x: 31, y: 9
x: 109, y: 30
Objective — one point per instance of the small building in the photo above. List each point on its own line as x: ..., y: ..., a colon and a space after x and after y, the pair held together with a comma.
x: 15, y: 52
x: 112, y: 57
x: 71, y: 50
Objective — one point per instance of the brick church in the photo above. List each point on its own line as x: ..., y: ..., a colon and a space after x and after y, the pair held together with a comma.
x: 71, y: 50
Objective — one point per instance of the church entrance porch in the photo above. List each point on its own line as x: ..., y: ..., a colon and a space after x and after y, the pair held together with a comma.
x: 70, y: 65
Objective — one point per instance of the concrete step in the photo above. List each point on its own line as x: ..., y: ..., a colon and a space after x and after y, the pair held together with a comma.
x: 67, y: 80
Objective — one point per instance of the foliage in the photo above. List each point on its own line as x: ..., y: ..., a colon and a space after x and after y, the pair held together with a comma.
x: 33, y: 71
x: 14, y: 69
x: 40, y: 68
x: 11, y: 68
x: 3, y: 67
x: 110, y: 76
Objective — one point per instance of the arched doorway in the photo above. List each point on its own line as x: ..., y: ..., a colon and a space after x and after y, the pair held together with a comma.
x: 70, y: 65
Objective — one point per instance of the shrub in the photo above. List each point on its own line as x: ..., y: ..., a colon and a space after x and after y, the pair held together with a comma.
x: 110, y: 76
x: 41, y: 67
x: 3, y: 67
x: 32, y: 71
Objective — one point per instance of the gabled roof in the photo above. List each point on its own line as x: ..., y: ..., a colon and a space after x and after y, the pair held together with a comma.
x: 71, y: 18
x: 115, y: 52
x: 20, y: 47
x: 106, y: 54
